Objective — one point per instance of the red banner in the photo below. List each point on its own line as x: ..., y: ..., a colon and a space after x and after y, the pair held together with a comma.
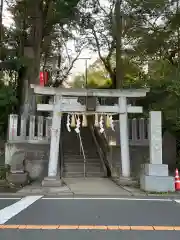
x: 43, y: 78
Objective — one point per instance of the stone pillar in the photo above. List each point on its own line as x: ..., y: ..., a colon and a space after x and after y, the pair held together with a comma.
x: 14, y: 157
x: 155, y: 134
x: 154, y: 176
x: 124, y: 137
x: 53, y: 179
x: 12, y: 128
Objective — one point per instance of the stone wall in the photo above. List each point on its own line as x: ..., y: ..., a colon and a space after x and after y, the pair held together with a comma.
x: 32, y: 158
x: 169, y: 150
x: 139, y: 154
x: 2, y: 152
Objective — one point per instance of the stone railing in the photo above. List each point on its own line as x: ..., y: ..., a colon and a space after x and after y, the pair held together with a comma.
x: 31, y: 128
x: 138, y: 133
x: 39, y: 128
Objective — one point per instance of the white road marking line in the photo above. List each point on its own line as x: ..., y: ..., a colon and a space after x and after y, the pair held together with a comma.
x: 12, y: 210
x: 120, y: 199
x: 10, y: 198
x: 176, y: 200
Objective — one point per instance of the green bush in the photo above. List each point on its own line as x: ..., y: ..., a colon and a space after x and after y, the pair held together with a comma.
x: 8, y: 101
x: 3, y: 171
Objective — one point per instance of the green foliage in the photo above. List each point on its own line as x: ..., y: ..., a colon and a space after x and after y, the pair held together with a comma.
x: 95, y: 79
x: 149, y: 35
x: 162, y: 78
x: 98, y: 76
x: 3, y: 172
x: 8, y: 101
x: 164, y: 81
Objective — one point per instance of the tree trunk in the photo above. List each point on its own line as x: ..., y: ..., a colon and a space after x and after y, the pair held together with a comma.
x: 1, y: 27
x: 32, y: 76
x: 119, y: 67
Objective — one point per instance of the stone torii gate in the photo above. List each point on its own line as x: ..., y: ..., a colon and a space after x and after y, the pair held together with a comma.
x: 60, y: 106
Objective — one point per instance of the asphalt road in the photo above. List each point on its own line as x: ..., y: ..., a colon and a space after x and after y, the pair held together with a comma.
x: 86, y: 218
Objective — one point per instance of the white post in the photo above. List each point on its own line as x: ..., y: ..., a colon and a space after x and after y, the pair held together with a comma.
x: 142, y: 129
x: 155, y: 130
x: 134, y: 130
x: 23, y: 127
x: 31, y: 127
x: 12, y: 128
x: 124, y: 137
x: 55, y: 137
x: 48, y: 126
x: 40, y: 127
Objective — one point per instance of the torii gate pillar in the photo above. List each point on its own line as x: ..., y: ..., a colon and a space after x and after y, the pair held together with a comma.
x: 124, y: 138
x: 53, y: 179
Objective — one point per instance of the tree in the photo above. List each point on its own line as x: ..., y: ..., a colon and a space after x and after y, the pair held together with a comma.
x: 149, y: 31
x: 42, y: 17
x: 8, y: 103
x: 163, y: 80
x: 41, y: 27
x: 65, y: 57
x: 98, y: 76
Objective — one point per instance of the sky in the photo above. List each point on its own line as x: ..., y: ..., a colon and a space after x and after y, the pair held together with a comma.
x: 79, y: 66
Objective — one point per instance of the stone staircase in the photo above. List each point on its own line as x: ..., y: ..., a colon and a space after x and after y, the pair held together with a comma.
x: 73, y: 157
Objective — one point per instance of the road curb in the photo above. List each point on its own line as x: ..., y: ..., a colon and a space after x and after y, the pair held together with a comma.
x: 92, y: 195
x: 136, y: 192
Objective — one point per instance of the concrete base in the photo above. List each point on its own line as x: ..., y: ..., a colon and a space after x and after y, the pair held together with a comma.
x: 157, y: 183
x: 17, y: 178
x: 52, y: 182
x: 155, y: 169
x: 154, y: 178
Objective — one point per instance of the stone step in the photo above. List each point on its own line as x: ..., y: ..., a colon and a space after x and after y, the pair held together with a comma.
x: 72, y: 160
x: 36, y: 161
x: 77, y: 151
x: 91, y: 158
x: 80, y: 157
x: 81, y: 174
x: 70, y: 148
x: 81, y: 169
x: 81, y: 165
x: 86, y: 137
x: 73, y: 147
